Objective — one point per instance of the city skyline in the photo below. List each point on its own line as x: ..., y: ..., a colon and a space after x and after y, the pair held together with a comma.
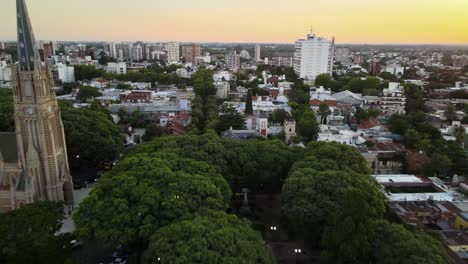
x: 359, y: 22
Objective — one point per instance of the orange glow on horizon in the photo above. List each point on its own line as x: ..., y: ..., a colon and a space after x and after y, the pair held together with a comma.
x: 358, y: 21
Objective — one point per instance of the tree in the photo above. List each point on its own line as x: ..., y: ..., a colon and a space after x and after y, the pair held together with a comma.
x: 451, y: 114
x: 87, y: 92
x: 324, y: 111
x: 154, y: 131
x: 143, y: 193
x: 310, y: 198
x: 204, y: 108
x: 357, y: 85
x: 415, y: 98
x: 459, y: 134
x: 323, y: 79
x: 90, y: 134
x: 441, y: 164
x: 29, y: 234
x: 248, y: 104
x: 104, y: 59
x: 210, y: 238
x: 307, y: 127
x: 395, y: 244
x: 87, y: 72
x: 346, y: 240
x: 7, y: 121
x: 278, y: 116
x: 229, y: 118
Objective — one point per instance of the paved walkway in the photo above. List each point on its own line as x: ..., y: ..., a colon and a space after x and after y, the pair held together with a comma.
x: 79, y: 195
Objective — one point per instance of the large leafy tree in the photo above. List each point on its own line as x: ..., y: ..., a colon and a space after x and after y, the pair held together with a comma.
x: 310, y: 199
x: 204, y: 108
x: 307, y: 127
x: 7, y: 122
x: 347, y: 239
x: 87, y: 72
x: 229, y: 118
x: 324, y: 111
x: 248, y: 103
x: 211, y: 238
x: 395, y: 244
x: 29, y: 234
x: 90, y: 134
x: 141, y: 194
x: 86, y: 92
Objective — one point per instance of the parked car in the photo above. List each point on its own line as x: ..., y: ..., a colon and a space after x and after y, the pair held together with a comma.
x: 74, y: 244
x: 78, y: 184
x: 120, y: 261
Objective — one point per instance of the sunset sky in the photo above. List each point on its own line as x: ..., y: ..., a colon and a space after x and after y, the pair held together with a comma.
x: 350, y: 21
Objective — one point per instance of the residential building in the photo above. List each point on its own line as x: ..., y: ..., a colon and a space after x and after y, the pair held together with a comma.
x: 190, y: 52
x: 33, y: 159
x: 5, y: 71
x: 172, y: 51
x: 393, y: 100
x: 258, y: 51
x: 233, y: 61
x: 113, y: 52
x: 137, y: 53
x: 394, y: 69
x: 313, y: 56
x: 342, y: 54
x: 117, y: 67
x: 222, y: 90
x: 286, y: 61
x: 66, y: 74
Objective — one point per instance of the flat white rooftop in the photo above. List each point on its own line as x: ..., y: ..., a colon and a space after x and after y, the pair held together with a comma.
x: 397, y: 178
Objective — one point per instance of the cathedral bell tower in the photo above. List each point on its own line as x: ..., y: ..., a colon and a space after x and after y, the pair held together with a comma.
x: 42, y: 150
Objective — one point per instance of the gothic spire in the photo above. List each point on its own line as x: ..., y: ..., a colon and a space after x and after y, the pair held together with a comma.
x: 28, y: 54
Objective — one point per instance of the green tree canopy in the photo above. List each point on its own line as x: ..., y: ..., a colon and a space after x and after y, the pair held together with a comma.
x: 204, y: 108
x: 90, y: 134
x: 29, y: 234
x: 307, y: 127
x: 248, y: 103
x: 211, y: 238
x: 395, y: 244
x: 229, y: 118
x: 324, y: 111
x: 311, y: 198
x: 153, y: 131
x: 140, y: 195
x: 278, y: 116
x: 87, y: 92
x: 7, y: 121
x: 87, y: 72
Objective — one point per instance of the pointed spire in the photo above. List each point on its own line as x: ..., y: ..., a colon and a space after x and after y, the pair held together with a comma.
x: 28, y: 54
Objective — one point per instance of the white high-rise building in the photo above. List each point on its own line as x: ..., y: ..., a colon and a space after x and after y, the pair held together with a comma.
x: 117, y: 68
x: 258, y: 51
x: 66, y: 73
x: 313, y: 56
x: 113, y: 50
x: 137, y: 53
x: 172, y: 50
x: 233, y: 61
x: 5, y: 71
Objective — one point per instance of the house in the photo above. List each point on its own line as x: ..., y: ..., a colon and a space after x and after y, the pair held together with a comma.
x: 241, y: 134
x: 348, y: 97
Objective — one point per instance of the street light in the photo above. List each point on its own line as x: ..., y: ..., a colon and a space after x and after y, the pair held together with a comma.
x: 297, y: 251
x: 273, y: 228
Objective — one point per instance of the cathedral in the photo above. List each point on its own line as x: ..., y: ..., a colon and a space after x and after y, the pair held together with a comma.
x: 33, y: 160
